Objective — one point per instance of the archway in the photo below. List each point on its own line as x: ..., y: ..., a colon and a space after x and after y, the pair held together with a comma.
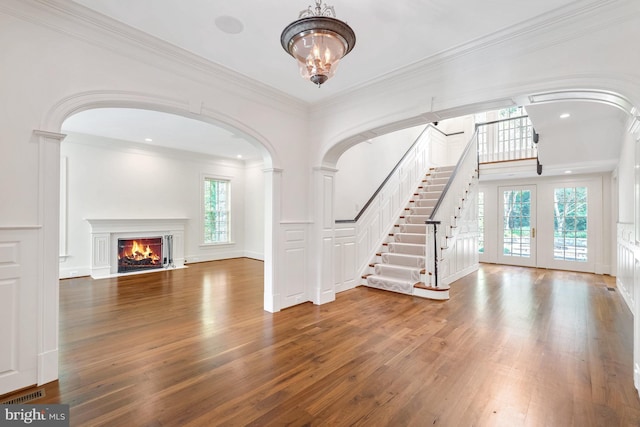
x: 69, y: 106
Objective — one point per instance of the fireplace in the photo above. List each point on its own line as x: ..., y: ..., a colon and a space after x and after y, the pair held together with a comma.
x: 159, y: 243
x: 139, y: 254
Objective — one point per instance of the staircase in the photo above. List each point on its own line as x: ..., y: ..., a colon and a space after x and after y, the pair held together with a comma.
x: 400, y: 264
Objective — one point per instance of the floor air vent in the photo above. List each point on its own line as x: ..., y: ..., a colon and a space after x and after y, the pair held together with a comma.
x: 24, y: 398
x: 611, y: 289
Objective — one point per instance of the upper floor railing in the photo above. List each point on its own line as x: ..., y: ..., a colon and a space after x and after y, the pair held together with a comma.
x: 505, y: 140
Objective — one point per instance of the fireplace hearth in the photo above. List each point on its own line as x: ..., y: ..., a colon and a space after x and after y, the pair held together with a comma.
x: 139, y: 254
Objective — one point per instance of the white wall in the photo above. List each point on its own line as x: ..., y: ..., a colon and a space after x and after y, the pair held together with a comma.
x: 363, y: 167
x: 254, y: 195
x: 108, y: 178
x: 626, y: 180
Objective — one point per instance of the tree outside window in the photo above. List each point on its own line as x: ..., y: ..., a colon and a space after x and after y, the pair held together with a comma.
x: 570, y: 224
x: 517, y: 223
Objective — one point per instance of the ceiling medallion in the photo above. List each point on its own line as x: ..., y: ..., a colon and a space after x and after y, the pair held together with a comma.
x: 318, y: 41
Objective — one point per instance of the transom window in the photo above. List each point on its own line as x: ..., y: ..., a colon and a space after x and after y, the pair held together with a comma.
x: 216, y: 210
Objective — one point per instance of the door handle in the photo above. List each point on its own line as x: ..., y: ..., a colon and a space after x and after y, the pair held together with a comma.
x: 533, y: 233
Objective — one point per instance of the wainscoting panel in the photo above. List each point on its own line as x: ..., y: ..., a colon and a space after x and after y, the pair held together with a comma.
x: 628, y: 260
x: 9, y: 321
x: 294, y: 243
x: 345, y: 272
x: 19, y: 291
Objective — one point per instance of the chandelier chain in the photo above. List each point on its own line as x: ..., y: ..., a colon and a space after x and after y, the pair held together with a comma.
x: 320, y: 10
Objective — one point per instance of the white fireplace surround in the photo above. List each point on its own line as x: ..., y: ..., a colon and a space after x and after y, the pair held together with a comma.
x: 106, y: 232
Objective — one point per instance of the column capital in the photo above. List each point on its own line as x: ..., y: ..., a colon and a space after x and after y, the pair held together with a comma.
x: 50, y: 135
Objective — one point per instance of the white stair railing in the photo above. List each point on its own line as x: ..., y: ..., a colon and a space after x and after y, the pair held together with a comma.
x: 378, y: 219
x: 447, y: 212
x: 506, y: 140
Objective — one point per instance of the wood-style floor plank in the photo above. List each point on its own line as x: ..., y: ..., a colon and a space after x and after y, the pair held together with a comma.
x: 193, y: 347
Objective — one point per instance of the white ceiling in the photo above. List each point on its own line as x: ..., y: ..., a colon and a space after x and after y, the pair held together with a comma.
x: 165, y: 130
x: 244, y: 35
x: 390, y: 35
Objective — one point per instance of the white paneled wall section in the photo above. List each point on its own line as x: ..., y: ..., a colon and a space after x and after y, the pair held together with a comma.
x: 628, y: 261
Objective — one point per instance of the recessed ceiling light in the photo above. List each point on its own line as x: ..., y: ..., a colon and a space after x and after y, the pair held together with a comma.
x: 148, y: 139
x: 229, y: 24
x: 568, y: 171
x: 239, y: 156
x: 565, y: 115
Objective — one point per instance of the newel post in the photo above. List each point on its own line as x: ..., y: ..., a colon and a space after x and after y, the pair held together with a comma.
x: 435, y: 249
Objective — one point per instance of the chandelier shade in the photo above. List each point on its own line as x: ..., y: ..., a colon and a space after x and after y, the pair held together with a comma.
x: 318, y: 43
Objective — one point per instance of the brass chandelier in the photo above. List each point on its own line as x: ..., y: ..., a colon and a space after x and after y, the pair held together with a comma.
x: 318, y: 41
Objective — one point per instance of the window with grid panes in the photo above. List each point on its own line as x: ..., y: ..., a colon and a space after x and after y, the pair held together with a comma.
x: 216, y: 210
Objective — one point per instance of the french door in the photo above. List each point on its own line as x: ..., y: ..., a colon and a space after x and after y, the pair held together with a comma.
x: 563, y: 236
x: 517, y: 225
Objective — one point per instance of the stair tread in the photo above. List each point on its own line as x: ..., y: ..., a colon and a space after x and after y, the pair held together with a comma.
x: 422, y: 285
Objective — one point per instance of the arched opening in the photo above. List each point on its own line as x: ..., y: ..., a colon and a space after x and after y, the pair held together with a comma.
x: 263, y: 162
x: 134, y: 174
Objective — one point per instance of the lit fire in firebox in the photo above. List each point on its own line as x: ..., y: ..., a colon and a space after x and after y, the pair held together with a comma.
x: 138, y: 253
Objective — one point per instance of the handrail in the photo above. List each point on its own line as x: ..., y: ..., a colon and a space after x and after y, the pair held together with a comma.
x: 506, y: 139
x: 453, y: 175
x: 493, y: 122
x: 395, y: 168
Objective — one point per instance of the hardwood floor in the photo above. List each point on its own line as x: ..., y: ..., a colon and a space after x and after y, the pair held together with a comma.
x: 513, y: 346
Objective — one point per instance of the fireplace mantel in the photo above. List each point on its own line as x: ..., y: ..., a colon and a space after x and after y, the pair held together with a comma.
x: 105, y: 233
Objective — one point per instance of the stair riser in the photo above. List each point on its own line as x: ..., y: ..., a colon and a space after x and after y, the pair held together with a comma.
x: 397, y: 272
x: 397, y: 248
x: 414, y: 261
x: 410, y: 238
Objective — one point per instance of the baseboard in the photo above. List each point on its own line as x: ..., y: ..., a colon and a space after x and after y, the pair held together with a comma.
x: 254, y: 255
x: 320, y: 297
x: 47, y: 366
x: 602, y: 269
x: 460, y: 274
x: 351, y: 284
x: 71, y: 272
x: 626, y: 296
x: 193, y: 258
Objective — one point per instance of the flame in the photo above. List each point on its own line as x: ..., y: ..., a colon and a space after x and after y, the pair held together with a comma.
x: 139, y: 252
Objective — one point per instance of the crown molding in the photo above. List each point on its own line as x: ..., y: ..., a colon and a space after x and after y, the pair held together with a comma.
x: 138, y: 148
x: 81, y: 23
x: 552, y: 28
x: 604, y: 97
